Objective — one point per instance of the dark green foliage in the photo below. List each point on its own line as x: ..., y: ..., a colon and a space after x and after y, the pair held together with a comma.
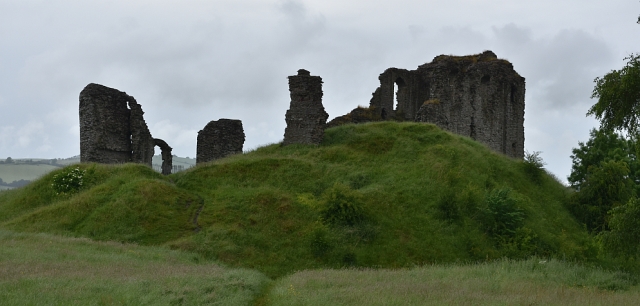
x: 607, y: 186
x: 604, y: 173
x: 340, y: 205
x: 320, y: 242
x: 602, y: 146
x: 500, y: 214
x: 449, y: 207
x: 623, y: 238
x: 534, y: 166
x: 618, y: 94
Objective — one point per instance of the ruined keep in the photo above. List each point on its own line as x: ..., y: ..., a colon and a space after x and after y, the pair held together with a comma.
x: 219, y: 139
x: 479, y: 96
x: 306, y: 117
x: 113, y: 130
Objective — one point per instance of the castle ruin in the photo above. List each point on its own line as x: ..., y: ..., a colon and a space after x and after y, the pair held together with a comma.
x: 113, y: 130
x: 306, y: 117
x: 219, y: 139
x: 479, y: 96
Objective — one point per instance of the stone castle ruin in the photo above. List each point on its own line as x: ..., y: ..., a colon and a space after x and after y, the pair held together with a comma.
x: 479, y: 96
x: 113, y: 130
x: 219, y: 139
x: 306, y: 117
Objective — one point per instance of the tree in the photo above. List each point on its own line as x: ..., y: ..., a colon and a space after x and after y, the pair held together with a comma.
x: 9, y: 160
x: 607, y: 186
x: 602, y: 146
x: 618, y: 94
x: 605, y: 173
x: 624, y: 236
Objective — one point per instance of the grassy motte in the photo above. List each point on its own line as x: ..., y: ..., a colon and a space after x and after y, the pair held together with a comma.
x: 42, y: 269
x: 384, y: 194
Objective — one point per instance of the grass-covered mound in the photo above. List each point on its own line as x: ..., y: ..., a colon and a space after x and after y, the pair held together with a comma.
x: 375, y: 195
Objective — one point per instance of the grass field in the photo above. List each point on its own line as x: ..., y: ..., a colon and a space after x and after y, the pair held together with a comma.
x: 41, y: 269
x: 16, y: 172
x: 503, y: 282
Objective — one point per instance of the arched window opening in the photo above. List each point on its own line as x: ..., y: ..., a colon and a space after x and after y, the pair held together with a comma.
x: 398, y: 88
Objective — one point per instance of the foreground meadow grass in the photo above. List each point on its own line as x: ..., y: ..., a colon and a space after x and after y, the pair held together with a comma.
x: 504, y: 282
x: 40, y: 269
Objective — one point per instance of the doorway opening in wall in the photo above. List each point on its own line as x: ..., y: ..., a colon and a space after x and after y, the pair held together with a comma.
x: 398, y: 89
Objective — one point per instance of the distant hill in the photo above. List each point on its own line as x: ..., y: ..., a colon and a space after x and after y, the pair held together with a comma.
x: 21, y: 171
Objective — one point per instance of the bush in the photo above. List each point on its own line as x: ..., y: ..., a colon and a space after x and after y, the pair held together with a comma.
x: 341, y: 205
x: 623, y: 239
x: 500, y: 214
x: 68, y: 181
x: 534, y: 166
x: 320, y: 241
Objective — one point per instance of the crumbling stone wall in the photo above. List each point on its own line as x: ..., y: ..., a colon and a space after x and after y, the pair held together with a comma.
x: 219, y: 139
x: 142, y: 144
x: 479, y: 96
x: 486, y: 101
x: 112, y: 128
x: 104, y: 125
x: 167, y: 158
x: 306, y: 117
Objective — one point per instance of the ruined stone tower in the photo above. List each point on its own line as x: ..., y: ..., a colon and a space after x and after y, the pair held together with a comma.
x: 306, y: 117
x: 219, y: 139
x: 479, y: 96
x: 113, y: 130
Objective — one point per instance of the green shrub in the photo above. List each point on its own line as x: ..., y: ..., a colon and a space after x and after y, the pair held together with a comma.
x: 341, y: 205
x: 534, y: 166
x: 448, y: 207
x: 320, y: 242
x: 69, y: 181
x: 623, y: 239
x: 500, y: 214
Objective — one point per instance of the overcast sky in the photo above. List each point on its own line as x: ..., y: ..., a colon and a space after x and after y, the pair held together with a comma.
x: 190, y: 62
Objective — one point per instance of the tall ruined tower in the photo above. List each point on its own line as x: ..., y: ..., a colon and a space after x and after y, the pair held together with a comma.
x: 113, y: 130
x: 479, y: 96
x: 306, y: 117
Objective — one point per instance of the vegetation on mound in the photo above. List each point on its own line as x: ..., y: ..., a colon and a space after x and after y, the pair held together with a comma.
x: 381, y: 194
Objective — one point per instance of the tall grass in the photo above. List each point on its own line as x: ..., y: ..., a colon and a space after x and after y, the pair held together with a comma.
x: 503, y: 282
x: 41, y: 269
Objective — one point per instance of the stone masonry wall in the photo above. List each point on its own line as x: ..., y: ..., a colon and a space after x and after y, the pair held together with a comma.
x: 479, y: 96
x: 306, y: 117
x: 112, y: 128
x: 104, y: 125
x: 219, y: 139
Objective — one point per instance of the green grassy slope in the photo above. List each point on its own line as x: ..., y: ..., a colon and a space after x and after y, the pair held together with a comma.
x: 416, y: 194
